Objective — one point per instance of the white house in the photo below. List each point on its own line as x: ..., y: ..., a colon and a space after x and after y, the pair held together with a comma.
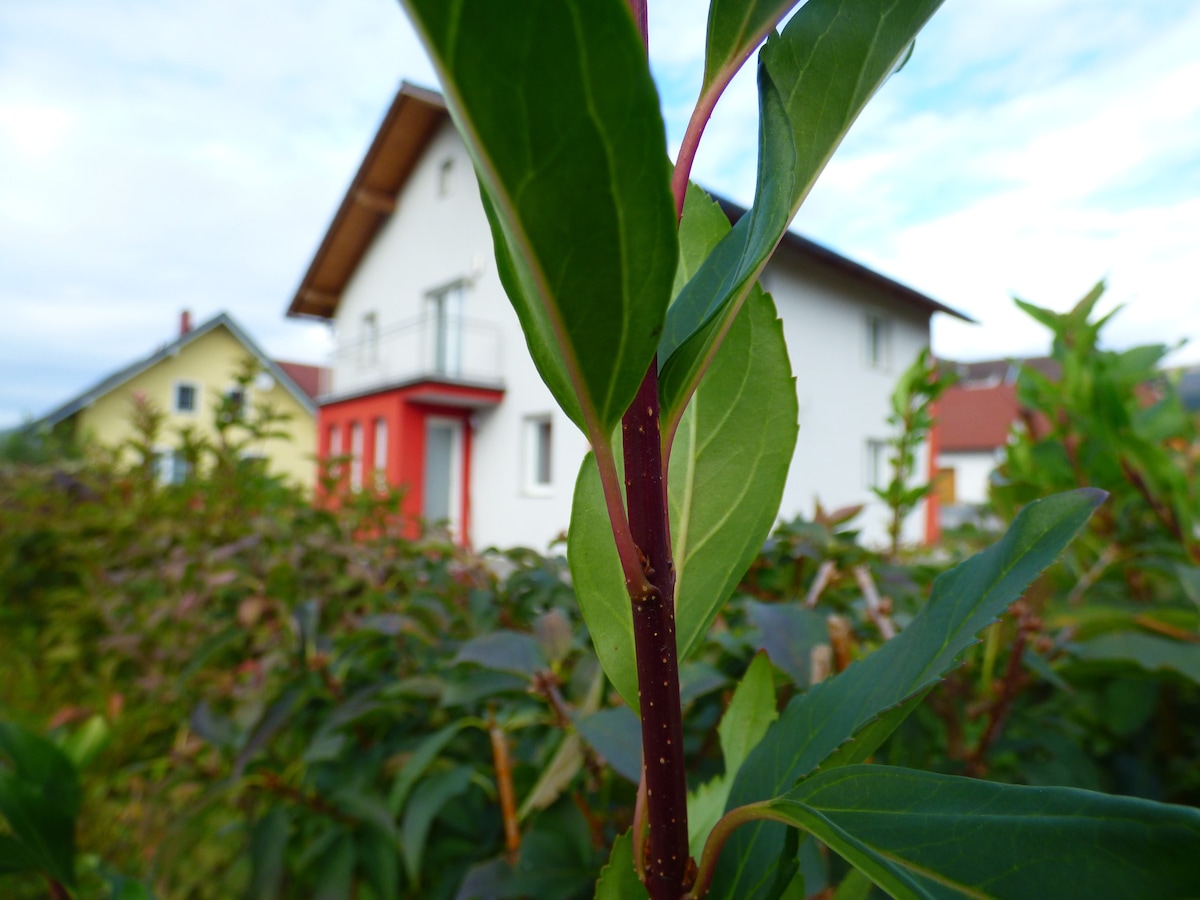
x: 432, y: 386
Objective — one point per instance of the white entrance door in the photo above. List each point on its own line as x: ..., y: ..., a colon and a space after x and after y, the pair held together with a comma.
x: 443, y: 487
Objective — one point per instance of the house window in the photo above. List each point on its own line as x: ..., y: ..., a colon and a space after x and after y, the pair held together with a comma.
x: 236, y: 397
x: 538, y: 455
x: 171, y: 466
x: 381, y: 451
x: 335, y: 450
x: 879, y: 341
x: 253, y: 463
x: 356, y: 456
x: 445, y: 176
x: 876, y: 464
x: 187, y: 396
x: 445, y: 321
x: 368, y: 346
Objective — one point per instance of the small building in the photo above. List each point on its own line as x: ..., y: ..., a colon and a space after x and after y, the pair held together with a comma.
x: 974, y: 419
x: 186, y: 380
x: 433, y: 389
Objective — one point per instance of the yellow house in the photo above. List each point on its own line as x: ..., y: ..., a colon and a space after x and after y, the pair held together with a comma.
x: 187, y: 380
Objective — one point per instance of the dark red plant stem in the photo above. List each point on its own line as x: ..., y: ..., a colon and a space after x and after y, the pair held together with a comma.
x: 654, y: 642
x: 638, y: 8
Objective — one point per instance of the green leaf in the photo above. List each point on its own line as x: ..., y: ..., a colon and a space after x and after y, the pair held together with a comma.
x: 427, y: 751
x: 920, y: 835
x: 39, y: 799
x: 750, y: 713
x: 735, y: 28
x: 816, y: 724
x: 616, y: 734
x: 504, y: 651
x: 619, y: 880
x: 814, y: 80
x: 555, y: 103
x: 427, y: 801
x: 1147, y: 651
x: 87, y: 742
x: 268, y: 843
x: 335, y: 870
x: 600, y: 584
x: 380, y: 860
x: 557, y: 859
x: 13, y: 856
x: 788, y: 632
x: 729, y: 463
x: 556, y: 776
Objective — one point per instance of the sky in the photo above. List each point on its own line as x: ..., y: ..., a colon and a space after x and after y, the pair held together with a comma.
x: 162, y: 155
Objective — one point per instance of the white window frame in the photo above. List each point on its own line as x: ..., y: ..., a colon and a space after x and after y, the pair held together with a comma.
x: 356, y: 456
x: 196, y: 396
x: 878, y: 341
x: 875, y: 463
x: 380, y: 451
x: 368, y: 345
x: 247, y: 399
x: 335, y: 449
x: 165, y: 465
x: 446, y: 310
x: 532, y: 444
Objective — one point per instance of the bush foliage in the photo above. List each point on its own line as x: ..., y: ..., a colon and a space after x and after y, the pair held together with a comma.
x: 271, y: 698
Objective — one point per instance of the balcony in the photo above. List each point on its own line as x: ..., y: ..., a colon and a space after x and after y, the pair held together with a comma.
x: 437, y: 349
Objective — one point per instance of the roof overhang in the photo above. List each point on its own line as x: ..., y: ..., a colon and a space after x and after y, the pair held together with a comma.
x: 431, y: 392
x: 413, y: 118
x: 812, y: 251
x: 411, y: 121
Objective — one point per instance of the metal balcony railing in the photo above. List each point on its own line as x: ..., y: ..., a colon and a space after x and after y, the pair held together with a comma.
x: 441, y: 347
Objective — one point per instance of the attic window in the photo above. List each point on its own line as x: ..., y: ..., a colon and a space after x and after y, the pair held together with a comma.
x: 186, y: 393
x: 539, y: 478
x: 445, y: 176
x: 879, y: 341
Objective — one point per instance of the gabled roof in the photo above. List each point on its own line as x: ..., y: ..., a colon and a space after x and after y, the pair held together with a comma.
x: 410, y: 122
x: 1001, y: 371
x: 114, y: 381
x: 414, y: 116
x: 819, y: 253
x: 308, y: 378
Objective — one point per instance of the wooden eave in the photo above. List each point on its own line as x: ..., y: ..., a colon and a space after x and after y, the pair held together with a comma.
x: 410, y: 122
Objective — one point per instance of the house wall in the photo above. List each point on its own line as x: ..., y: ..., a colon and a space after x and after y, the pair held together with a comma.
x: 844, y: 399
x: 437, y: 237
x: 211, y: 361
x: 434, y: 239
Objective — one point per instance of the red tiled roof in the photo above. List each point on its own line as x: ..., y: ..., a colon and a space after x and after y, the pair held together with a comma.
x: 976, y: 418
x: 308, y: 378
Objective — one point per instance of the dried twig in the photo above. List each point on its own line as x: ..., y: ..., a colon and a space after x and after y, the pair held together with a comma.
x: 508, y: 803
x: 824, y: 575
x: 877, y: 608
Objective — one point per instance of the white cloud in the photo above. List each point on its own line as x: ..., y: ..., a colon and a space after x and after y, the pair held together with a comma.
x: 158, y: 154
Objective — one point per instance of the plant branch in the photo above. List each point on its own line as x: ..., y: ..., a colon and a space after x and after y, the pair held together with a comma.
x: 725, y: 826
x: 636, y: 583
x: 1010, y: 687
x: 654, y: 644
x: 504, y: 786
x: 705, y: 105
x: 639, y: 827
x: 875, y: 605
x: 825, y: 573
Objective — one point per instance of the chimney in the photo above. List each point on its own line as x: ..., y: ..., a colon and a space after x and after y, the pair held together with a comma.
x: 185, y: 322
